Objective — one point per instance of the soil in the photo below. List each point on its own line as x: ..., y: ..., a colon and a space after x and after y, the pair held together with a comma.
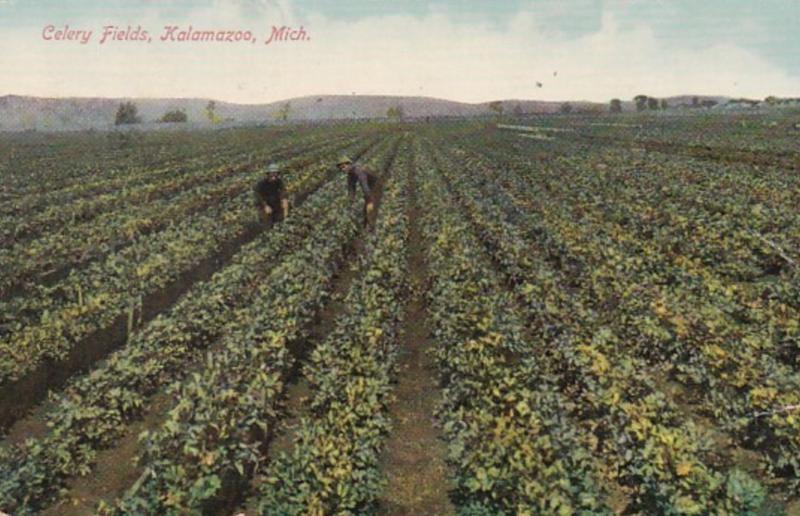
x: 413, y: 461
x: 115, y: 470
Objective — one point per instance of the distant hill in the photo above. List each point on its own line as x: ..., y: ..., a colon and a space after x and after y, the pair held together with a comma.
x: 58, y: 114
x: 18, y: 113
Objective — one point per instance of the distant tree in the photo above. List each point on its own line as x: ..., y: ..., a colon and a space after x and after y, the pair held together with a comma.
x: 395, y: 112
x: 652, y: 103
x: 709, y: 103
x: 664, y: 104
x: 175, y: 116
x: 616, y: 106
x: 566, y: 107
x: 127, y: 113
x: 283, y: 112
x: 518, y: 110
x: 641, y: 102
x: 772, y: 100
x: 695, y: 102
x: 211, y: 112
x: 497, y: 107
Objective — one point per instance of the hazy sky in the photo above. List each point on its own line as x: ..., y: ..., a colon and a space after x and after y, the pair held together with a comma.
x: 462, y: 50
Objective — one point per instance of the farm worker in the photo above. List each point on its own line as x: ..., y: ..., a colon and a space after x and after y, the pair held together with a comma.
x: 359, y: 176
x: 270, y: 194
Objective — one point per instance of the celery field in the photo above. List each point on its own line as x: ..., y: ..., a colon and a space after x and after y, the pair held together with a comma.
x: 550, y: 315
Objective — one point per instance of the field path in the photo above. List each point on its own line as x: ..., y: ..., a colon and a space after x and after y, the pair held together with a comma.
x: 413, y: 460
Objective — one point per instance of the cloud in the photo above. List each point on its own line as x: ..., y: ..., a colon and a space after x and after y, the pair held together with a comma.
x: 432, y: 55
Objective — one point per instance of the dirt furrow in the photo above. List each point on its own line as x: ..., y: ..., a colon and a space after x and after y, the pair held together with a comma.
x: 414, y: 458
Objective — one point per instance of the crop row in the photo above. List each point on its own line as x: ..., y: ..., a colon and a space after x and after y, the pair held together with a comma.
x: 188, y: 175
x: 82, y: 199
x: 333, y: 467
x: 730, y: 223
x: 85, y: 166
x: 767, y: 309
x: 684, y: 325
x: 745, y: 135
x: 213, y: 440
x: 76, y: 244
x: 91, y: 298
x: 510, y: 446
x: 722, y: 137
x: 226, y: 411
x: 693, y: 204
x: 663, y: 461
x: 94, y: 411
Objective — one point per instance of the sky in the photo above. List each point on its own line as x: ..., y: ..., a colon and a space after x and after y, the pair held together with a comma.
x: 461, y: 50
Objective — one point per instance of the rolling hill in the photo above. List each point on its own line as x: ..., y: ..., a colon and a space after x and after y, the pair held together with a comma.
x: 19, y: 113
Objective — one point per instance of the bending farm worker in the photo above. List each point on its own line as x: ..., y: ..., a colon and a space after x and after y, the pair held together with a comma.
x: 358, y: 176
x: 270, y: 195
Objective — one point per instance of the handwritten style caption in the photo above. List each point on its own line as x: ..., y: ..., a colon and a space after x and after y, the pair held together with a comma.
x: 170, y: 34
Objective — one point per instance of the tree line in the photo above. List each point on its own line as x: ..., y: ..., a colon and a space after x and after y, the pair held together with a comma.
x: 128, y: 113
x: 648, y: 103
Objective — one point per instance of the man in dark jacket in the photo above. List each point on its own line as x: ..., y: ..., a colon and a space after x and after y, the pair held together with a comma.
x: 358, y: 176
x: 270, y: 194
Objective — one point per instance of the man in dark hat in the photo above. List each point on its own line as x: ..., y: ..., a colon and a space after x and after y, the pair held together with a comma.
x: 270, y: 194
x: 358, y: 176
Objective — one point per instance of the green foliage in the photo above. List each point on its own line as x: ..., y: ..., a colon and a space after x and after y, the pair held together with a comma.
x: 334, y: 466
x: 211, y: 113
x: 283, y: 113
x: 56, y: 318
x: 215, y: 430
x: 127, y: 113
x: 95, y: 410
x: 175, y: 116
x: 700, y: 341
x: 395, y: 113
x: 510, y: 447
x: 603, y: 320
x: 667, y: 460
